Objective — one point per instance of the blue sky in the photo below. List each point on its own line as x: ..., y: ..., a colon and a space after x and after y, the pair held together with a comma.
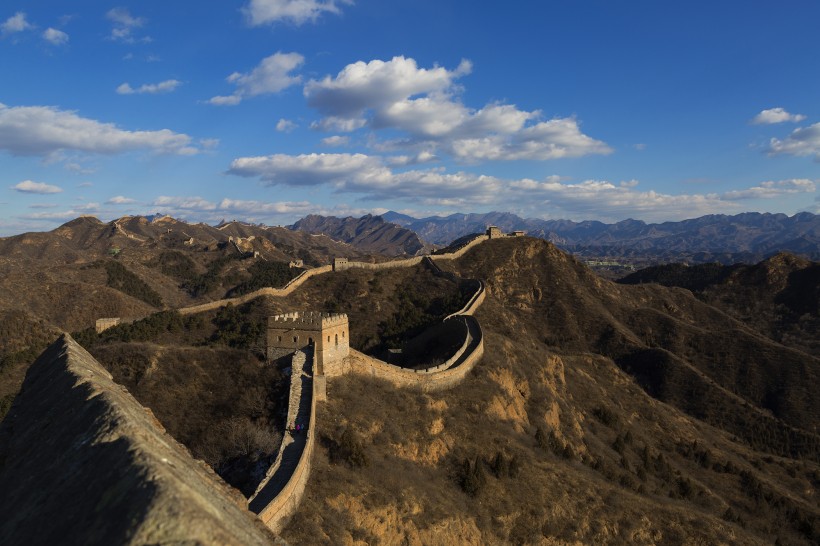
x: 267, y: 110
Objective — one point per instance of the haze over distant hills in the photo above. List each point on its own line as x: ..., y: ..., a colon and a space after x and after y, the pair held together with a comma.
x: 747, y: 237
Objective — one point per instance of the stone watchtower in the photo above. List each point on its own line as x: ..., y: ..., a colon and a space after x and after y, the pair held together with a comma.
x: 494, y: 232
x: 327, y: 333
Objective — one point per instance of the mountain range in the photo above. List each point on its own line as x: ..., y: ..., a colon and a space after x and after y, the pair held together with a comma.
x: 747, y: 237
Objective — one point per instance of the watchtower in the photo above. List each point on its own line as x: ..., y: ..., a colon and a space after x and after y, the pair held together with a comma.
x: 494, y: 232
x: 339, y: 264
x: 327, y: 333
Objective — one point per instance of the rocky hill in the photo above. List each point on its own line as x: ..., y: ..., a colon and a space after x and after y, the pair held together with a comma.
x: 600, y: 413
x: 368, y: 233
x: 779, y: 297
x: 747, y: 237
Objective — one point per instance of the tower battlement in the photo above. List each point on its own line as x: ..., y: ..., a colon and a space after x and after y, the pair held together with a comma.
x: 327, y: 333
x: 307, y: 321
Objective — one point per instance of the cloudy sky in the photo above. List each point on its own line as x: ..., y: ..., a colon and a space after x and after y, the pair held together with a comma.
x: 267, y: 110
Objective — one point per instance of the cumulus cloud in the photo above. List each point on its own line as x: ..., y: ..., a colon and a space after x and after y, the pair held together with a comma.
x: 271, y: 76
x: 15, y: 23
x: 120, y: 200
x: 804, y: 141
x: 149, y: 88
x: 424, y: 103
x: 29, y: 186
x: 372, y: 179
x: 55, y: 37
x: 262, y: 12
x: 44, y: 130
x: 285, y: 125
x: 776, y: 115
x: 124, y: 25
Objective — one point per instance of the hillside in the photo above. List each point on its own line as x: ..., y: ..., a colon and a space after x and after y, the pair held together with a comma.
x: 559, y: 436
x: 600, y: 413
x: 747, y: 237
x: 779, y: 297
x: 368, y: 233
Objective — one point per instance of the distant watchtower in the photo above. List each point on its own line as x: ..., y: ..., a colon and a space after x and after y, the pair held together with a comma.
x: 327, y: 333
x: 494, y: 232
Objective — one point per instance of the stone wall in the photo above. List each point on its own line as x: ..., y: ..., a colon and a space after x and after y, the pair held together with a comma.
x: 279, y: 494
x: 84, y: 463
x: 342, y: 265
x: 104, y: 324
x: 461, y: 251
x: 268, y: 291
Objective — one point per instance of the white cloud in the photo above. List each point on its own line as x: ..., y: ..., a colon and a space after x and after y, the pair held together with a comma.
x: 335, y: 123
x: 770, y: 189
x: 309, y: 169
x: 44, y: 130
x: 776, y: 115
x: 270, y: 76
x: 77, y: 168
x: 373, y: 180
x: 44, y: 205
x: 423, y: 103
x: 29, y: 186
x: 15, y: 23
x: 377, y: 85
x: 803, y: 141
x: 124, y: 24
x: 554, y: 139
x: 120, y: 200
x: 285, y: 125
x: 149, y: 88
x: 261, y: 12
x: 200, y: 209
x: 424, y: 156
x: 56, y: 37
x: 336, y: 140
x: 85, y: 185
x: 64, y: 215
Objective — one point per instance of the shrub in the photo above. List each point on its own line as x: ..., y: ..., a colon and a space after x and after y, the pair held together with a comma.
x: 120, y: 278
x: 349, y: 449
x: 473, y: 476
x: 264, y: 274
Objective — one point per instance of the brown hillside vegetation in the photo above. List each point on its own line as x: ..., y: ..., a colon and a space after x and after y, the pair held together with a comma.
x: 779, y: 297
x: 601, y: 413
x: 555, y: 438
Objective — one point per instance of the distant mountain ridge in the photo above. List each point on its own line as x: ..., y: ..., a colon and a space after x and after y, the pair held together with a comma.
x: 368, y: 233
x: 747, y: 237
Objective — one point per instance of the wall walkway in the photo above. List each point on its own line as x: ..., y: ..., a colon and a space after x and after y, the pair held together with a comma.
x: 280, y: 493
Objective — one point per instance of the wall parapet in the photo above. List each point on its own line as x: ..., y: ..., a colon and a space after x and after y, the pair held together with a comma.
x: 267, y: 291
x: 362, y: 364
x: 278, y: 496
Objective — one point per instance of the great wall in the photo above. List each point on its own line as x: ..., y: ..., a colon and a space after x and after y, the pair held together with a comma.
x: 315, y: 360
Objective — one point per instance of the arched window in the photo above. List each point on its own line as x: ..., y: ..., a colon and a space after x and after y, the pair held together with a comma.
x: 296, y: 339
x: 280, y: 338
x: 310, y: 341
x: 337, y: 340
x: 328, y: 339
